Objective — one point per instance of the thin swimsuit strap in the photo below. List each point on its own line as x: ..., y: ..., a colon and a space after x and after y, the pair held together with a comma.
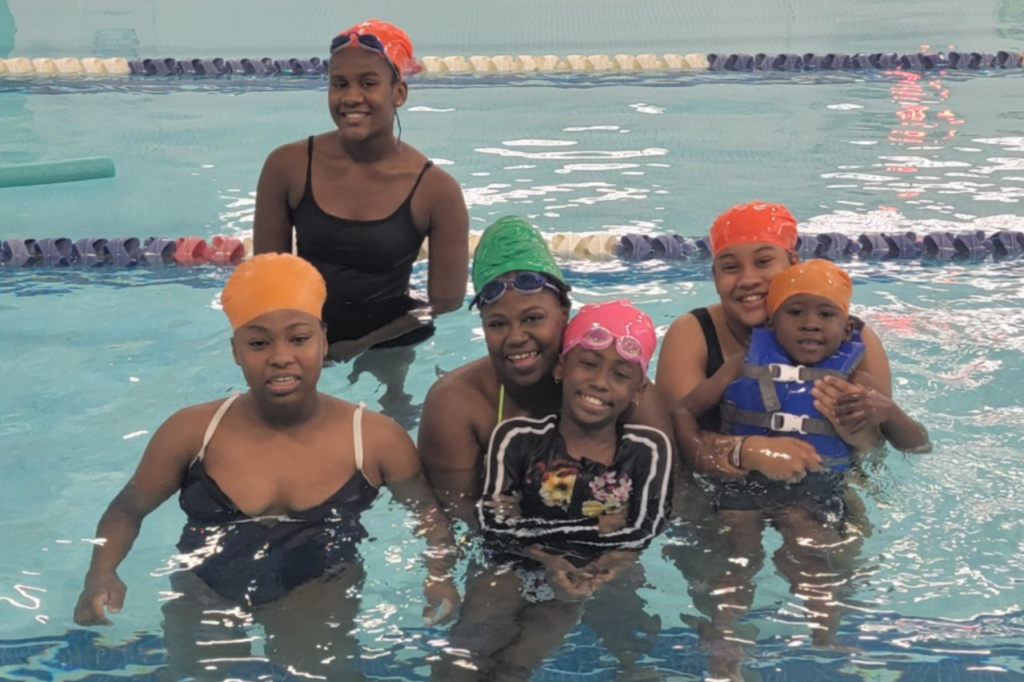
x: 357, y: 435
x: 501, y: 403
x: 357, y: 429
x: 214, y: 423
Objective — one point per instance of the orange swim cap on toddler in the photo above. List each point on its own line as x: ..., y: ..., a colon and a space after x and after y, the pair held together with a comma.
x: 753, y: 222
x: 817, y: 277
x: 269, y: 282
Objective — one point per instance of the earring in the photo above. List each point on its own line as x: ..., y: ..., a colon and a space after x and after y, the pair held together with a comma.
x: 398, y: 120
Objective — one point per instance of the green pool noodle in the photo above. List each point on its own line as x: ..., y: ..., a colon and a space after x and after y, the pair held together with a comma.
x: 47, y: 173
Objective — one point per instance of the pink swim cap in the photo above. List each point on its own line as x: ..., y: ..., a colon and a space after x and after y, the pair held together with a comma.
x: 596, y: 326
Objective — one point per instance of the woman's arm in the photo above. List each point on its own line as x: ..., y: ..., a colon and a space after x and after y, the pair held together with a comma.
x: 702, y: 453
x: 343, y: 351
x: 390, y: 447
x: 157, y: 477
x: 448, y: 443
x: 860, y: 405
x: 681, y: 360
x: 876, y: 362
x: 272, y: 227
x: 448, y: 257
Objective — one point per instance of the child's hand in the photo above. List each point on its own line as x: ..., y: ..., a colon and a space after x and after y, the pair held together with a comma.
x: 849, y: 406
x: 505, y: 507
x: 570, y: 584
x: 780, y: 458
x: 609, y: 523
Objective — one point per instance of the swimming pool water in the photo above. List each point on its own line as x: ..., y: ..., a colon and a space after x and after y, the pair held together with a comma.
x: 94, y: 361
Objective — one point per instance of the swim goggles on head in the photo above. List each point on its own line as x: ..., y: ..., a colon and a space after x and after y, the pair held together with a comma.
x: 524, y: 282
x: 599, y: 338
x: 366, y: 41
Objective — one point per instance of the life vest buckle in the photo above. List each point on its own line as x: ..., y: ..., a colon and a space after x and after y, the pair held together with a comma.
x: 790, y: 423
x: 782, y: 372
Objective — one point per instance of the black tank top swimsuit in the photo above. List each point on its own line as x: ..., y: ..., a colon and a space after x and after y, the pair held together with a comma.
x: 712, y: 419
x: 250, y: 562
x: 366, y: 264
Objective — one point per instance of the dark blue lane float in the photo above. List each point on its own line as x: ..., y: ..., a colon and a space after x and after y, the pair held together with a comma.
x: 127, y: 252
x: 168, y: 66
x: 971, y: 246
x: 884, y: 61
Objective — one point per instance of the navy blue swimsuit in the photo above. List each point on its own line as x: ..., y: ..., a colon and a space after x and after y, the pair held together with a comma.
x: 250, y: 562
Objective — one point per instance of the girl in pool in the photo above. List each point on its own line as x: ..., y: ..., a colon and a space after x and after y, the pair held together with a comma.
x: 273, y: 482
x: 361, y: 202
x: 524, y: 308
x: 571, y: 499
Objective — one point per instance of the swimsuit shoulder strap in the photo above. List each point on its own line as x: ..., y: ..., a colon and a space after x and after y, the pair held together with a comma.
x: 707, y: 326
x: 214, y: 423
x: 357, y: 434
x: 419, y: 178
x: 501, y: 403
x: 309, y: 166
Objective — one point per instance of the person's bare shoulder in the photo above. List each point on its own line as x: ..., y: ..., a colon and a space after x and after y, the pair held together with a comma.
x: 681, y: 358
x: 462, y: 387
x: 283, y: 167
x: 437, y: 183
x: 190, y: 423
x: 457, y: 415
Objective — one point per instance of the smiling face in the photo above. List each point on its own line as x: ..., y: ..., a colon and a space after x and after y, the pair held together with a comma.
x: 524, y: 335
x: 742, y: 274
x: 363, y: 94
x: 810, y: 328
x: 598, y: 385
x: 281, y: 354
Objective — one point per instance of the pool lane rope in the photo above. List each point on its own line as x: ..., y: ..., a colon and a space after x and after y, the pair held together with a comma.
x: 511, y: 64
x: 228, y: 251
x: 50, y: 172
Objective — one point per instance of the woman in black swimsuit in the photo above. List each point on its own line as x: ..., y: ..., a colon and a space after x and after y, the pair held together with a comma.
x: 273, y: 482
x: 361, y: 202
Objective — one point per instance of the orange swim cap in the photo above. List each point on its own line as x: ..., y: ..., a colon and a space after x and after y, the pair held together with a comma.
x: 269, y: 282
x: 816, y: 276
x: 754, y: 222
x: 397, y: 44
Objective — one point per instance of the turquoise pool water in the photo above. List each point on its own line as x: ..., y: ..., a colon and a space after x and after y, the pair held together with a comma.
x: 94, y: 361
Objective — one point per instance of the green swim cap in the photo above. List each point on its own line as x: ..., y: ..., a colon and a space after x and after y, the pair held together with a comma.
x: 508, y: 245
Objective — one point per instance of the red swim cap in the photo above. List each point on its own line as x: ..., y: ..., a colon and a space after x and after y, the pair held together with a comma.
x: 397, y: 45
x: 753, y: 222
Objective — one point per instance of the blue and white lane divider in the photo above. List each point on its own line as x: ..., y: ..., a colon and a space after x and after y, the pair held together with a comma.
x: 228, y: 251
x: 43, y: 67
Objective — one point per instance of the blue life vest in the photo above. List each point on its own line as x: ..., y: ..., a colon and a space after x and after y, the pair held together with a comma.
x: 773, y: 397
